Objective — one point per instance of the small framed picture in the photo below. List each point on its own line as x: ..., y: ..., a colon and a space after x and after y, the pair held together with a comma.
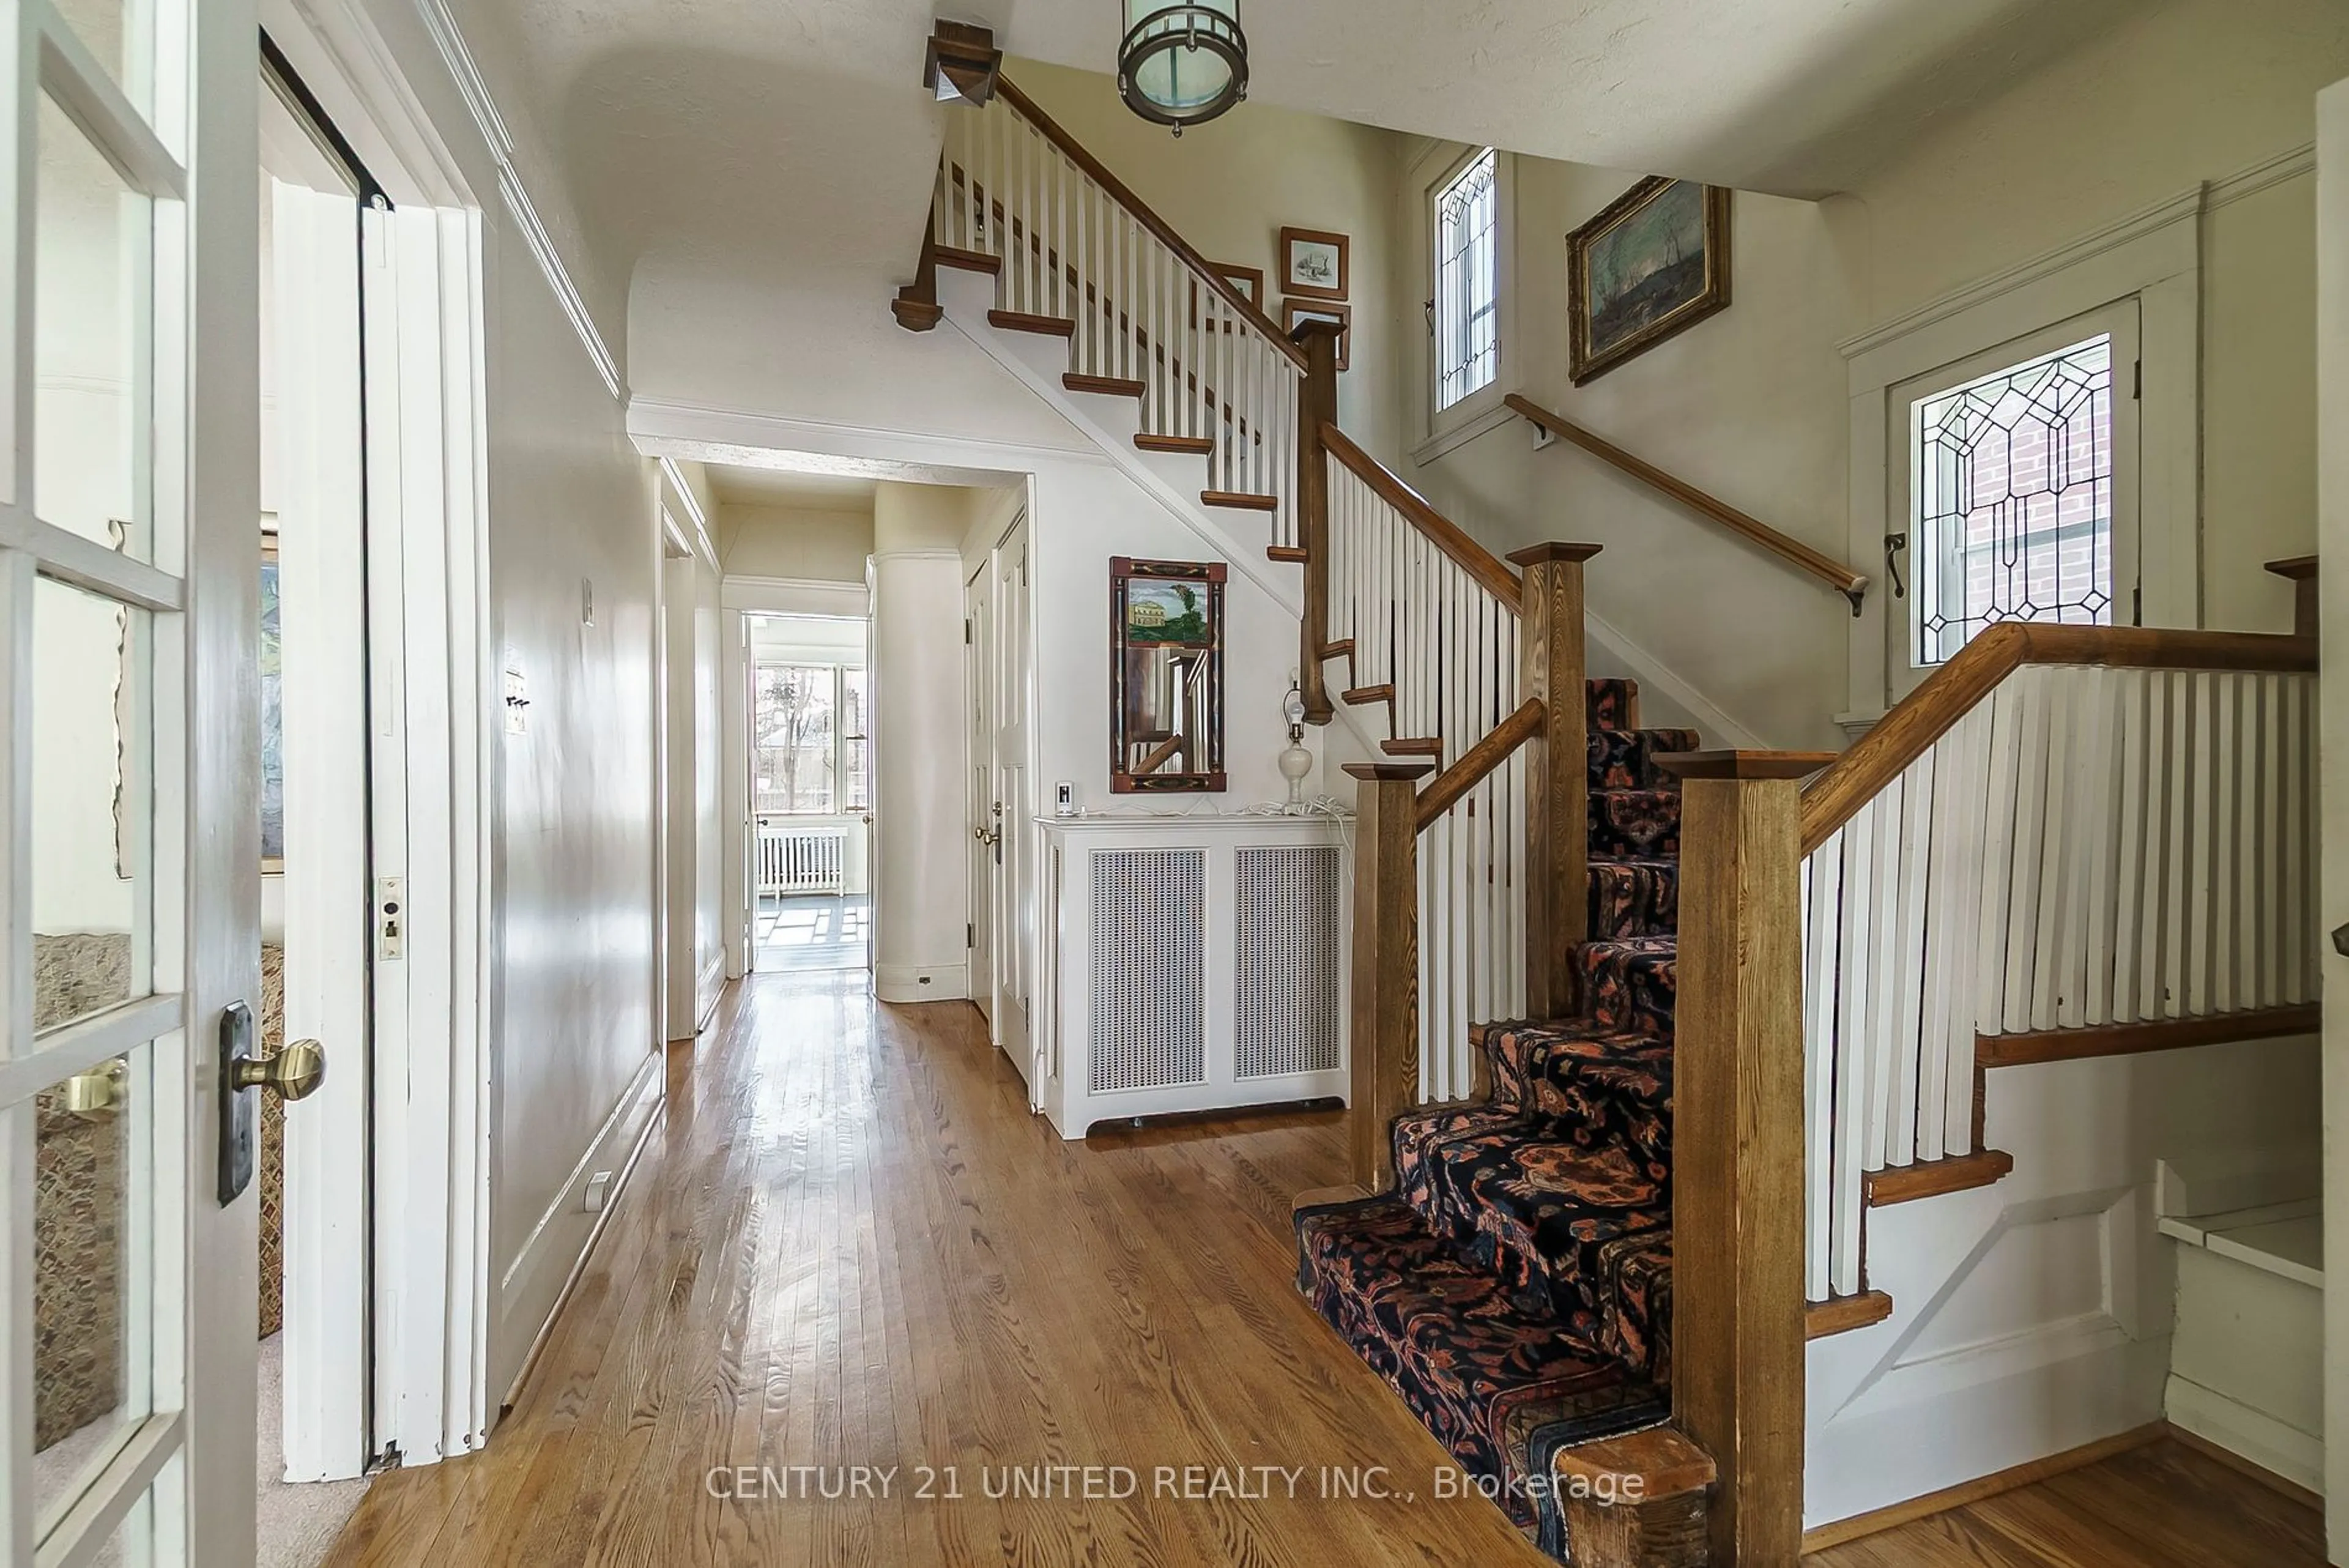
x: 1293, y: 311
x: 1246, y: 281
x: 1313, y: 263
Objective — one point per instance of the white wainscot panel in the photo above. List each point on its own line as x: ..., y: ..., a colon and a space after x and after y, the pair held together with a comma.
x: 1190, y: 963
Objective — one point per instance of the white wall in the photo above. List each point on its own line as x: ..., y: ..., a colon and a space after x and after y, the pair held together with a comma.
x: 575, y: 1017
x: 2333, y: 417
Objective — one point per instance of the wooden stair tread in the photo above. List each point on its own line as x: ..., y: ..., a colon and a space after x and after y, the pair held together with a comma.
x: 1021, y: 321
x: 1413, y: 746
x: 1342, y: 647
x: 966, y: 260
x: 1197, y: 445
x: 1105, y: 386
x: 1935, y: 1177
x: 1844, y: 1314
x: 1289, y: 552
x: 2161, y: 1034
x: 1362, y: 696
x: 1239, y: 500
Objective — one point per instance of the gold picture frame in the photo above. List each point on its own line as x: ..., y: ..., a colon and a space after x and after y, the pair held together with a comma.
x: 1650, y: 267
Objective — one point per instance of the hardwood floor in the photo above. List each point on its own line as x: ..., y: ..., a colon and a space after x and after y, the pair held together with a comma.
x: 851, y: 1245
x: 2163, y: 1505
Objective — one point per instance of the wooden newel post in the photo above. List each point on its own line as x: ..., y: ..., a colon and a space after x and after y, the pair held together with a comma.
x: 1737, y: 1144
x: 1557, y: 771
x: 1316, y: 404
x: 1384, y: 1067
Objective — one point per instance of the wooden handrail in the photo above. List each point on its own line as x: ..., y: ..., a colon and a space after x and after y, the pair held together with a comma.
x: 1928, y: 713
x: 1828, y: 570
x: 1466, y: 554
x: 1477, y: 763
x: 1159, y: 227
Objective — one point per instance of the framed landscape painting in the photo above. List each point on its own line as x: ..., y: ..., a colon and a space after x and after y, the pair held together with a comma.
x: 1652, y: 264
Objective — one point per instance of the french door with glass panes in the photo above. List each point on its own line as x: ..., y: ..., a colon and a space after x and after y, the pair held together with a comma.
x: 130, y: 560
x: 2014, y: 480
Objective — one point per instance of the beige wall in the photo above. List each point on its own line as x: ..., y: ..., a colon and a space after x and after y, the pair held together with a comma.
x: 822, y: 547
x: 1753, y: 404
x: 1230, y: 186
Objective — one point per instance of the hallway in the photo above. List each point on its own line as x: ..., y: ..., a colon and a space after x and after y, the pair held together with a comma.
x: 851, y: 1245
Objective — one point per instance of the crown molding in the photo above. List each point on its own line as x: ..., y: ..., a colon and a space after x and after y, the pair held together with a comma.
x: 514, y: 195
x: 2263, y: 176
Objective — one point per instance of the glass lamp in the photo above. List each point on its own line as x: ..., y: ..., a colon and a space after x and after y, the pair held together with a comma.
x: 1182, y: 64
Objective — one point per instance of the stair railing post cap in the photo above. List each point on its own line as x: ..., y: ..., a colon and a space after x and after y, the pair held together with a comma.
x: 1556, y: 550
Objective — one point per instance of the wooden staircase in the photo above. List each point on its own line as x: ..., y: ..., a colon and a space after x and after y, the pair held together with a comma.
x: 1828, y: 1052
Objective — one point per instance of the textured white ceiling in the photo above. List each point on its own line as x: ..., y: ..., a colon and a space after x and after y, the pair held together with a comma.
x: 786, y: 146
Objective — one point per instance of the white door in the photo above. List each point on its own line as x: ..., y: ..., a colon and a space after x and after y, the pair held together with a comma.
x: 982, y: 809
x: 2014, y: 491
x: 1014, y: 873
x: 129, y: 782
x: 322, y: 675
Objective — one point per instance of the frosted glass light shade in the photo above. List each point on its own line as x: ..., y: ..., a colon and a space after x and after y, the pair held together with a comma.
x: 1182, y: 64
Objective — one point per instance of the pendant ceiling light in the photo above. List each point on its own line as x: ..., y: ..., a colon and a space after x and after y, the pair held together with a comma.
x: 1182, y: 64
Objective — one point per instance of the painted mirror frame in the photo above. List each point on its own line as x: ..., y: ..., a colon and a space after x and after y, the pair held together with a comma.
x: 1166, y: 677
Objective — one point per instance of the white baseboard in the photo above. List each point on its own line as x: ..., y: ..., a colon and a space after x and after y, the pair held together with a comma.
x: 2297, y: 1455
x: 534, y: 1288
x: 922, y: 983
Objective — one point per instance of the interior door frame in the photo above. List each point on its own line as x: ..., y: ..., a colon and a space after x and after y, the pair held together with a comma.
x: 435, y: 678
x: 1011, y: 766
x: 986, y: 859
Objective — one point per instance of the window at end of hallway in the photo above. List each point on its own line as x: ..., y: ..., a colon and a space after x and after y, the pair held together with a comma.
x: 1465, y: 311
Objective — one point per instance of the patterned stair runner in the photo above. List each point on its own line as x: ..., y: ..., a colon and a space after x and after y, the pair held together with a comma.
x: 1516, y: 1288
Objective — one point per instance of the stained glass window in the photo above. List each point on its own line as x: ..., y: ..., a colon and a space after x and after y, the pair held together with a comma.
x: 1467, y: 283
x: 2013, y: 500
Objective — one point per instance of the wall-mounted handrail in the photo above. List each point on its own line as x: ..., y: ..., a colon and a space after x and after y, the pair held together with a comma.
x: 1148, y: 218
x: 1953, y: 691
x: 1447, y: 536
x: 1851, y: 585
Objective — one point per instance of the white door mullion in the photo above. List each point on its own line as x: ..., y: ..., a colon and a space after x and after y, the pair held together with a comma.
x: 81, y: 1045
x: 89, y: 1528
x: 83, y: 561
x: 84, y: 90
x: 18, y: 1130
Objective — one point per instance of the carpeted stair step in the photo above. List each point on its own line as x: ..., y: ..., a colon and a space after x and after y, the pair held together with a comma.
x: 1613, y: 703
x: 1500, y: 1389
x: 1634, y: 899
x: 1635, y: 823
x: 1628, y: 987
x: 1626, y: 759
x: 1545, y: 1203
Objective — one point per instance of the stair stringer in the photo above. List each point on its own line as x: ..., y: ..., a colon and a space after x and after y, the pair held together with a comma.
x: 1039, y: 362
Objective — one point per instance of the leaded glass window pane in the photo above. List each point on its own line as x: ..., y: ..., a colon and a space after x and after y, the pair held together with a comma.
x: 2012, y: 477
x: 1467, y: 283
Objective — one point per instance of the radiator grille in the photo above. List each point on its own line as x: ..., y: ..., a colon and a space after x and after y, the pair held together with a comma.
x: 1149, y: 991
x: 1287, y: 1012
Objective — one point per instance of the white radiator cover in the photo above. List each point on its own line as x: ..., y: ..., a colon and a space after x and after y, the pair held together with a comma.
x: 1189, y: 964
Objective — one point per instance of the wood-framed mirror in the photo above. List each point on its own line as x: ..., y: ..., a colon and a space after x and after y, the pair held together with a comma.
x: 1166, y: 674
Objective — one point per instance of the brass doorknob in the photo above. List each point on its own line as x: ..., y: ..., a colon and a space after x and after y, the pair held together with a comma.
x: 294, y: 1073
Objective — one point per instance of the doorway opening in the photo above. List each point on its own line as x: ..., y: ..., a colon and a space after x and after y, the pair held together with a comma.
x: 811, y: 793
